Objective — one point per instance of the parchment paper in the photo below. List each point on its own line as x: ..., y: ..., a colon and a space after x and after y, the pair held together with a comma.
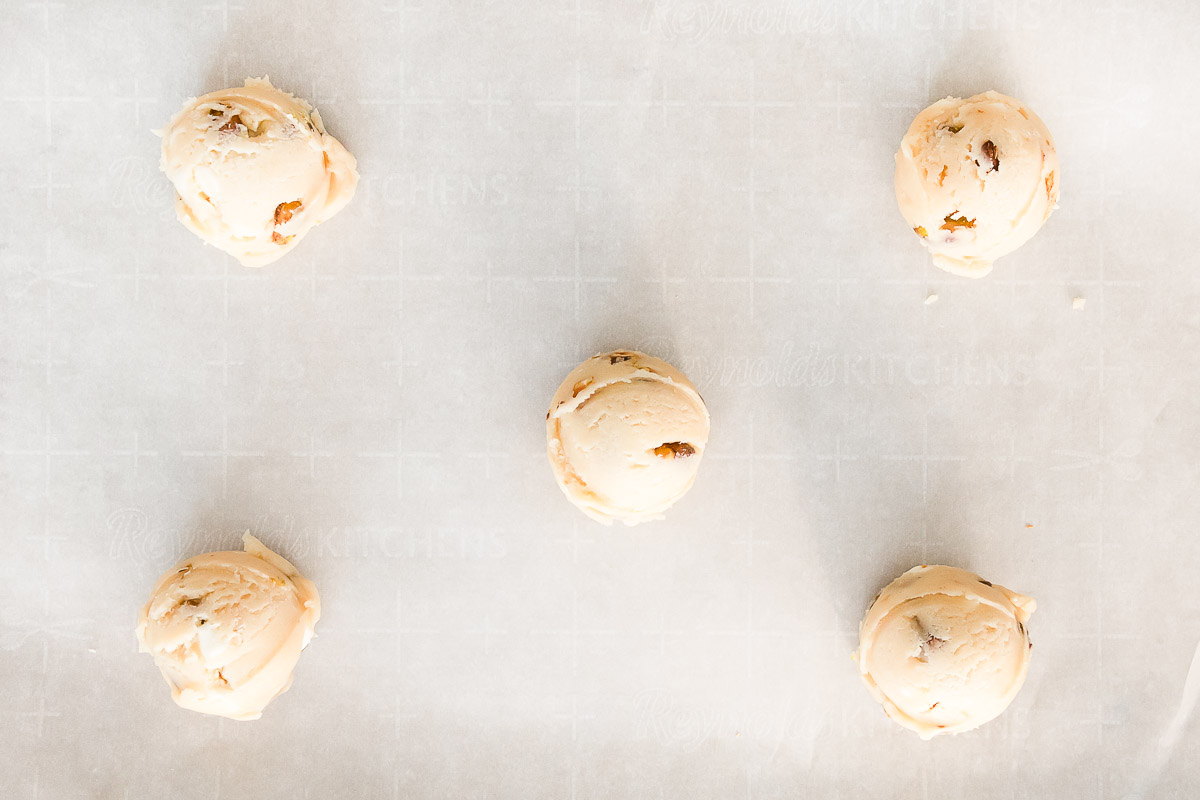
x: 541, y: 181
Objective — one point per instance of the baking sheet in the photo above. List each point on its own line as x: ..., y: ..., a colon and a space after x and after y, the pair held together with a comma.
x: 541, y: 181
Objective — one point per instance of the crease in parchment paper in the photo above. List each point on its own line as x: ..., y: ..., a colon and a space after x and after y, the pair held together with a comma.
x: 1159, y: 753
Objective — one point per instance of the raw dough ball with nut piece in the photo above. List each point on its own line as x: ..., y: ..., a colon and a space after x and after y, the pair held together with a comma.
x: 254, y: 170
x: 625, y: 434
x: 944, y: 650
x: 226, y: 629
x: 976, y: 179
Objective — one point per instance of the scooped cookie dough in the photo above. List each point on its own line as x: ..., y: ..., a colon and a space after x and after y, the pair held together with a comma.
x: 226, y: 629
x: 625, y: 434
x: 976, y: 179
x: 944, y: 650
x: 254, y: 170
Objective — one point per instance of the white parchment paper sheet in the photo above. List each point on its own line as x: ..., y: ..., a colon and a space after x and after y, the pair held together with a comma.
x: 541, y: 181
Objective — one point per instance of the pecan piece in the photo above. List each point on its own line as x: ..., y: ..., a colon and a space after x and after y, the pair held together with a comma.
x: 990, y: 150
x: 920, y: 231
x: 951, y: 222
x: 285, y: 211
x: 277, y: 239
x: 675, y: 450
x: 929, y: 641
x: 233, y: 124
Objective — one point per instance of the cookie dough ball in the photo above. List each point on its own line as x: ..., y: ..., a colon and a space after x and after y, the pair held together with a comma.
x: 976, y: 179
x: 944, y: 650
x: 625, y: 434
x: 227, y: 628
x: 254, y: 170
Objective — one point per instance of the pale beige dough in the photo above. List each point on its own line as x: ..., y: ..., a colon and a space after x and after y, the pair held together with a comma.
x: 625, y: 435
x: 944, y: 650
x: 226, y: 629
x: 254, y: 170
x: 976, y: 179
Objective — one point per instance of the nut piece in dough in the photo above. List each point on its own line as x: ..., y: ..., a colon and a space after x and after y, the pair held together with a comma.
x: 944, y: 650
x: 226, y: 629
x: 254, y: 170
x: 976, y: 179
x: 625, y: 434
